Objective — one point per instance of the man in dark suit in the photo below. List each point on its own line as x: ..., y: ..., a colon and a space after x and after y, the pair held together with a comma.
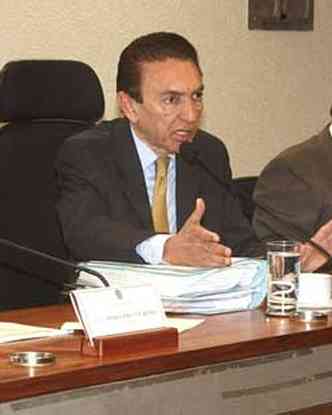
x: 293, y: 199
x: 108, y: 179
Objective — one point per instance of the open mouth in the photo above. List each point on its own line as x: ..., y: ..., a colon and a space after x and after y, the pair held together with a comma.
x: 183, y: 136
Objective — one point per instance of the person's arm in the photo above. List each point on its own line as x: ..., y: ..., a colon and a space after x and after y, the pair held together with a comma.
x: 194, y: 245
x: 97, y: 220
x: 288, y: 207
x: 152, y: 249
x: 287, y: 203
x: 87, y: 202
x: 317, y: 251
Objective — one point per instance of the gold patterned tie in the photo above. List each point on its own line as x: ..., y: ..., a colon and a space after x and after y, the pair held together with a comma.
x: 159, y: 202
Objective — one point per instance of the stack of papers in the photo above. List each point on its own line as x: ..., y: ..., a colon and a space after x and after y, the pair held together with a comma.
x: 241, y: 286
x: 12, y: 332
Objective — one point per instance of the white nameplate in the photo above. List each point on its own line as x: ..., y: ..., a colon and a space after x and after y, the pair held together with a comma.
x: 115, y: 310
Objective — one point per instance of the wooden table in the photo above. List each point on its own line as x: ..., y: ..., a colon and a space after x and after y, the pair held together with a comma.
x: 241, y: 362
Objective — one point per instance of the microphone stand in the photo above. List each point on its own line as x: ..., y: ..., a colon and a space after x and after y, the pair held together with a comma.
x: 51, y: 258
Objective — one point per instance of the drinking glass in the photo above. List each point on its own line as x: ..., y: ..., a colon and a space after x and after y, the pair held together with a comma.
x: 283, y: 259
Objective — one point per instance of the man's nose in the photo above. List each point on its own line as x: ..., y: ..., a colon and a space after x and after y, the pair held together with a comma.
x: 191, y: 110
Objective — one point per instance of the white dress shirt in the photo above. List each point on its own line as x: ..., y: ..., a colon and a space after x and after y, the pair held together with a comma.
x: 151, y: 250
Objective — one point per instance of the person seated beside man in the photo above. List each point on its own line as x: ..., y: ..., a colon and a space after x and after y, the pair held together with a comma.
x: 129, y: 193
x: 294, y: 200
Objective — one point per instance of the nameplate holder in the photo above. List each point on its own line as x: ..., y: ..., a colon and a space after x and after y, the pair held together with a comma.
x: 147, y: 342
x: 122, y: 320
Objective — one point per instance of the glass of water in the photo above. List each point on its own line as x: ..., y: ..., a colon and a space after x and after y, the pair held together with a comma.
x: 283, y: 259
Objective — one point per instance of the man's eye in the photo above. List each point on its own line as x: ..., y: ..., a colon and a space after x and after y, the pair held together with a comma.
x: 198, y: 96
x: 172, y: 99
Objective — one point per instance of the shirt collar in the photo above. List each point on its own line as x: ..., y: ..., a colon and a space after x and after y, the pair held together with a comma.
x: 145, y: 153
x: 331, y: 129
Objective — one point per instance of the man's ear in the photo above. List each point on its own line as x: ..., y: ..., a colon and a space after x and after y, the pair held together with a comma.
x: 128, y: 106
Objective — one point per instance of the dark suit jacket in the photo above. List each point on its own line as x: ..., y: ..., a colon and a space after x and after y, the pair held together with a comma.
x: 293, y: 194
x: 104, y: 208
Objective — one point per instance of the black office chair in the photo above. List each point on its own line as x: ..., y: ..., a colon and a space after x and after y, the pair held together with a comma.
x: 243, y: 188
x: 43, y: 102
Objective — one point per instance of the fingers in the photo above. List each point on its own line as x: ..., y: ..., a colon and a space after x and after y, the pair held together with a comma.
x: 202, y: 234
x: 213, y: 254
x: 324, y: 231
x: 323, y: 237
x: 303, y: 250
x: 327, y: 227
x: 195, y: 245
x: 197, y: 214
x: 179, y: 251
x: 311, y: 258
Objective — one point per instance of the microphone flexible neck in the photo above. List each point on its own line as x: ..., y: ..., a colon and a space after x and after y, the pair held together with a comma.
x: 51, y: 258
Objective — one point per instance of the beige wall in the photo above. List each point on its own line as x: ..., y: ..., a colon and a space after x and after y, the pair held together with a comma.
x: 264, y: 90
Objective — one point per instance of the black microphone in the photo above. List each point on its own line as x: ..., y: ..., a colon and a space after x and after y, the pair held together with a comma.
x: 71, y: 265
x: 190, y: 154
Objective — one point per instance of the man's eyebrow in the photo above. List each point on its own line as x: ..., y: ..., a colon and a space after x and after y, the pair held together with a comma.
x: 173, y: 92
x: 176, y: 92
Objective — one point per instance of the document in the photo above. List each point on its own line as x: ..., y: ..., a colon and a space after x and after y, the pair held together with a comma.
x: 241, y: 286
x: 12, y: 332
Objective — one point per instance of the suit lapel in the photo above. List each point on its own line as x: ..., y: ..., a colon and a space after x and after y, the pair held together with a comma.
x: 187, y: 189
x: 133, y: 183
x: 127, y: 160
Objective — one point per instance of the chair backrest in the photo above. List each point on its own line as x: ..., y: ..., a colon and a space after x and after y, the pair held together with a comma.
x: 244, y: 188
x: 43, y: 102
